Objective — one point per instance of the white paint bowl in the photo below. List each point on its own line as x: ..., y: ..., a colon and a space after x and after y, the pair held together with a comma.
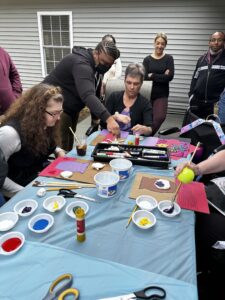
x: 8, y: 220
x: 140, y: 216
x: 10, y: 235
x: 106, y: 183
x: 146, y: 202
x: 20, y: 207
x: 82, y: 204
x: 54, y: 203
x: 121, y: 167
x: 167, y: 204
x: 34, y: 226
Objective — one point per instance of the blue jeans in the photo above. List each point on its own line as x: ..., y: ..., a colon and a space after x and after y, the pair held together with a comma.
x: 221, y: 106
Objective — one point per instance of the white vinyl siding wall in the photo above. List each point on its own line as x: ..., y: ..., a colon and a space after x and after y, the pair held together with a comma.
x: 134, y: 24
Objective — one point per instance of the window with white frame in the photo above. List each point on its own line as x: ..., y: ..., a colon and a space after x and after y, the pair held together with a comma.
x: 55, y: 34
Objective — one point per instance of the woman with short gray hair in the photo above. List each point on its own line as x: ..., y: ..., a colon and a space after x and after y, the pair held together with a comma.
x: 129, y: 108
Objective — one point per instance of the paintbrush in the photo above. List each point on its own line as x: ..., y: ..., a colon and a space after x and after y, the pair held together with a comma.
x: 64, y: 184
x: 171, y: 208
x: 79, y: 143
x: 133, y: 211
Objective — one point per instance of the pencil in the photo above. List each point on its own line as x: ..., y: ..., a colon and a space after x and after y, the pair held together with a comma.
x: 135, y: 208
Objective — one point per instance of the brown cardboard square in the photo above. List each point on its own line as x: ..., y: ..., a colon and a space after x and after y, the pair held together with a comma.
x: 144, y: 185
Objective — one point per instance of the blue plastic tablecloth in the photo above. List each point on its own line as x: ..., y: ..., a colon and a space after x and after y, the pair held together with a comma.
x: 28, y: 274
x: 167, y: 249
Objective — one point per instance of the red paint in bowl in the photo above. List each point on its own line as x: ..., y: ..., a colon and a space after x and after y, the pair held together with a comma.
x: 11, y: 244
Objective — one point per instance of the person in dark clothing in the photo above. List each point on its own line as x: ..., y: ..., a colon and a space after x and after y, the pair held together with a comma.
x: 129, y: 108
x: 208, y: 80
x: 114, y: 72
x: 76, y: 74
x: 30, y: 133
x: 10, y: 84
x: 159, y: 68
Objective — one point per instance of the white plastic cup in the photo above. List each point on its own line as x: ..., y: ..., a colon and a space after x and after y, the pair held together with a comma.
x: 121, y: 167
x: 106, y: 183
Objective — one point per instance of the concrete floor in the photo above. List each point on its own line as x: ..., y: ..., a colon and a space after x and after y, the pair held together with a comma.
x: 172, y: 120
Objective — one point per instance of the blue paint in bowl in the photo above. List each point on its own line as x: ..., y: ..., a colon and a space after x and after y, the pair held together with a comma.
x: 40, y: 224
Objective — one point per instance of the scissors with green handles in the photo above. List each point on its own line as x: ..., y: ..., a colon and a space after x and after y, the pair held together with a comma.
x: 61, y: 288
x: 150, y: 292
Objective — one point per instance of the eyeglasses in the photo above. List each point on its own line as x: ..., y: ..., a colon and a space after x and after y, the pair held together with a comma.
x: 217, y: 40
x: 54, y: 114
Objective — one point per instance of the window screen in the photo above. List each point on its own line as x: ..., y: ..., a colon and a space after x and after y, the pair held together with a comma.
x: 56, y: 39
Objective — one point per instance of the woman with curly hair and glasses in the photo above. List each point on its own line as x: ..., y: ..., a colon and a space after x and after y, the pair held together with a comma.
x: 29, y: 134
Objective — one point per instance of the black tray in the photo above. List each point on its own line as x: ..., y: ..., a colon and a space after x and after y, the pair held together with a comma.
x: 152, y: 156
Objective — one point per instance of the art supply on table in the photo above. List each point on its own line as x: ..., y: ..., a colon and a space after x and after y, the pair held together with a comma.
x: 41, y: 223
x: 75, y: 205
x: 59, y: 188
x: 137, y: 139
x: 81, y: 144
x: 58, y: 184
x: 150, y: 292
x: 25, y: 207
x: 8, y: 220
x: 70, y: 194
x: 130, y: 218
x: 143, y: 219
x: 106, y: 183
x: 80, y: 217
x: 11, y: 242
x: 141, y: 155
x: 121, y: 167
x: 170, y: 209
x: 41, y: 192
x: 54, y: 203
x: 61, y: 288
x: 81, y: 147
x: 75, y: 137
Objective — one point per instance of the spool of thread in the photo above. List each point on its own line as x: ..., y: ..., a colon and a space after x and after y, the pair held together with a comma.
x: 80, y: 217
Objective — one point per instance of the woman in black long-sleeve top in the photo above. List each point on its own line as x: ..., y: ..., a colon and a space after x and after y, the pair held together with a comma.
x: 159, y: 67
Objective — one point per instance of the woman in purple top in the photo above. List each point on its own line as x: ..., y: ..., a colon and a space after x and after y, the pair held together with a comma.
x: 10, y: 84
x: 159, y: 67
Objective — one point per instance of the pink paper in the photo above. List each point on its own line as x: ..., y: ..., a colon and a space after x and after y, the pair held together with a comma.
x: 177, y: 149
x: 192, y: 196
x: 63, y: 164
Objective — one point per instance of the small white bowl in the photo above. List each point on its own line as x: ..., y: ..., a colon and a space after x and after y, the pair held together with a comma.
x: 167, y: 204
x: 140, y: 216
x: 6, y: 237
x: 106, y: 183
x: 82, y: 204
x: 41, y: 223
x: 20, y: 207
x: 121, y: 167
x: 54, y: 203
x: 146, y: 202
x: 8, y: 220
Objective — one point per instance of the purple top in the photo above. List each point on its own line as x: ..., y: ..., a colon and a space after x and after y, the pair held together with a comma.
x: 10, y: 84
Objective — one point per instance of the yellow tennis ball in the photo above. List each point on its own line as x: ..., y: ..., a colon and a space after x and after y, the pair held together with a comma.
x: 186, y: 175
